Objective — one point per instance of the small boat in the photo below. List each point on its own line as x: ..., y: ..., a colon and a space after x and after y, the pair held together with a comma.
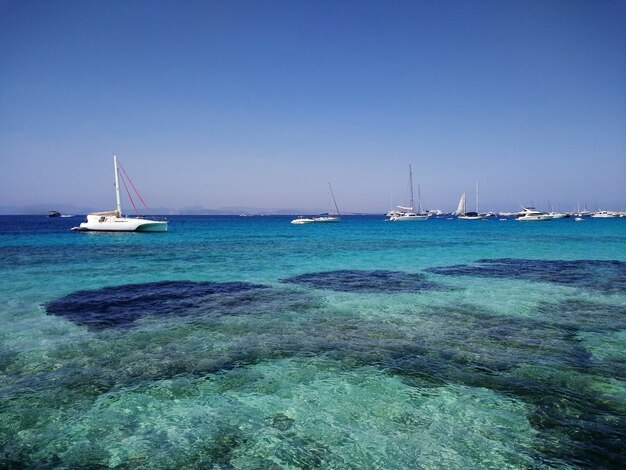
x: 303, y: 220
x: 315, y: 220
x: 322, y: 218
x: 114, y: 221
x: 461, y: 210
x: 578, y: 219
x: 604, y: 215
x: 584, y: 213
x: 408, y: 214
x: 54, y: 214
x: 531, y: 214
x: 555, y: 214
x: 326, y: 219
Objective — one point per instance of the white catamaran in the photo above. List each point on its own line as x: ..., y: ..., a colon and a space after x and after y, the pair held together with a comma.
x: 406, y: 214
x: 114, y: 221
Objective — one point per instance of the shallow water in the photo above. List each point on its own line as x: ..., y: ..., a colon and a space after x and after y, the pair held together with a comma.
x: 248, y: 342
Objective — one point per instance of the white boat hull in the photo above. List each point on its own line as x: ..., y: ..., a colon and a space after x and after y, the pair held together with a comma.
x: 302, y: 221
x: 472, y: 217
x: 315, y: 220
x: 531, y: 218
x: 98, y: 223
x: 409, y: 218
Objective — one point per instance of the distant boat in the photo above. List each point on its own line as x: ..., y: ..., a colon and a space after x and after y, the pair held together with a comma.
x: 531, y: 214
x: 604, y: 215
x: 114, y: 221
x: 303, y: 220
x: 555, y: 214
x: 584, y: 213
x: 461, y: 210
x: 323, y: 218
x: 408, y: 213
x: 54, y: 214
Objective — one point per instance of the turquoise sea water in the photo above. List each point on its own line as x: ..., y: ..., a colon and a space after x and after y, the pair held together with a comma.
x: 251, y: 343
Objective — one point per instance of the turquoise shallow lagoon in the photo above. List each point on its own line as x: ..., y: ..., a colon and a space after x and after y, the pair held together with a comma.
x: 251, y: 343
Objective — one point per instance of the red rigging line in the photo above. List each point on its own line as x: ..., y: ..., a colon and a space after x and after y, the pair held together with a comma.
x: 135, y: 189
x: 128, y: 192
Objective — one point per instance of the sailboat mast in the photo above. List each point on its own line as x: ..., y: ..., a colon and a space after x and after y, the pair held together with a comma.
x: 117, y: 187
x: 419, y: 199
x: 477, y: 197
x: 333, y: 196
x: 411, y: 186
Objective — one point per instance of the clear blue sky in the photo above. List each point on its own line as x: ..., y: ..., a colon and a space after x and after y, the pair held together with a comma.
x: 242, y: 103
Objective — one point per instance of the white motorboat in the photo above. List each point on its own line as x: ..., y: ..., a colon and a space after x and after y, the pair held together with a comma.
x: 315, y: 220
x: 604, y: 215
x: 532, y: 214
x: 303, y: 220
x: 114, y: 221
x: 408, y: 214
x: 392, y: 212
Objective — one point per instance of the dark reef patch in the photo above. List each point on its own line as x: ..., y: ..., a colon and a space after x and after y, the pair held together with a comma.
x: 605, y: 275
x: 121, y: 306
x: 540, y: 360
x: 353, y: 280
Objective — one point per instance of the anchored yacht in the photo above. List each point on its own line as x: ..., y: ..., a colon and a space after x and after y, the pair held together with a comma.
x: 532, y: 214
x: 114, y: 221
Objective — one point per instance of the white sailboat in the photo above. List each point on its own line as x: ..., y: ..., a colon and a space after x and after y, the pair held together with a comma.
x: 407, y: 214
x: 114, y: 221
x: 461, y: 210
x: 326, y: 218
x: 555, y: 214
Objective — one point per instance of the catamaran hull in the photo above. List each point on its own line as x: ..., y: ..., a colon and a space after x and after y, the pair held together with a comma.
x: 143, y: 228
x: 121, y: 224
